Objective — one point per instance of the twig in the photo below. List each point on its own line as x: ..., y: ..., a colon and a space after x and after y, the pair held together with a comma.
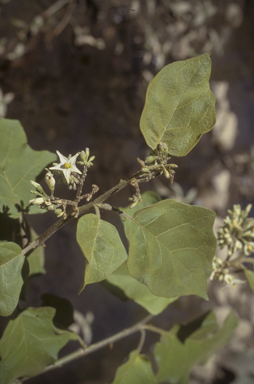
x: 82, y: 210
x: 101, y: 344
x: 64, y: 22
x: 80, y: 185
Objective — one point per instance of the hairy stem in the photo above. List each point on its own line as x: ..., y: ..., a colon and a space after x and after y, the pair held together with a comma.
x: 80, y: 185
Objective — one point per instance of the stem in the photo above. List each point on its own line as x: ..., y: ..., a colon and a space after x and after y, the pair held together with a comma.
x: 152, y: 328
x: 237, y: 260
x: 142, y: 340
x: 80, y: 185
x: 82, y: 210
x: 101, y: 344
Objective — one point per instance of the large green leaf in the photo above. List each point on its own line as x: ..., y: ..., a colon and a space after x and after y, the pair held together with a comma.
x: 138, y: 292
x: 102, y: 247
x: 137, y: 370
x: 30, y: 343
x: 171, y: 247
x: 10, y: 276
x: 18, y: 165
x: 132, y: 288
x: 179, y: 105
x: 185, y: 346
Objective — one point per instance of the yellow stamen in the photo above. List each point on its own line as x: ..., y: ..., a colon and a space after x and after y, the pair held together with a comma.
x: 67, y: 165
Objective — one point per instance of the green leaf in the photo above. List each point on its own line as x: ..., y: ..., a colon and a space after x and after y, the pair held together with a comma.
x: 11, y: 280
x: 102, y: 247
x: 132, y: 288
x: 185, y: 346
x: 137, y: 370
x: 18, y: 165
x: 250, y: 277
x: 179, y: 105
x: 36, y: 259
x: 30, y: 343
x: 171, y: 247
x: 138, y: 292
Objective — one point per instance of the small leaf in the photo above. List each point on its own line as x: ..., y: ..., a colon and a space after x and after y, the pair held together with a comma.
x: 137, y: 370
x: 30, y: 343
x: 18, y: 165
x: 179, y: 105
x: 171, y: 247
x: 185, y: 346
x: 138, y: 292
x: 11, y: 280
x: 102, y: 247
x: 250, y: 277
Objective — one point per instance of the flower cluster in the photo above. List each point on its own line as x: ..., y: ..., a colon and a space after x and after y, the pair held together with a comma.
x: 238, y: 231
x: 157, y: 163
x: 221, y: 273
x: 154, y: 165
x: 44, y: 201
x: 67, y: 167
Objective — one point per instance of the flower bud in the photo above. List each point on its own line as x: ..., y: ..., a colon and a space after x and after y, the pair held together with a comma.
x: 37, y: 201
x: 37, y: 186
x: 49, y: 178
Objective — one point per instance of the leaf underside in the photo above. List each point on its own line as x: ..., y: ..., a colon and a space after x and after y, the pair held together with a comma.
x: 171, y: 247
x: 30, y: 343
x: 18, y: 165
x: 182, y: 348
x: 11, y: 281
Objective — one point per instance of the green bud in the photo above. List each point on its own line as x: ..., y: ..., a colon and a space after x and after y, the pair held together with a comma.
x: 150, y: 159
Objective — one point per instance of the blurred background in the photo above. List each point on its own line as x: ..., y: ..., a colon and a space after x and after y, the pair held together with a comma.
x: 75, y: 73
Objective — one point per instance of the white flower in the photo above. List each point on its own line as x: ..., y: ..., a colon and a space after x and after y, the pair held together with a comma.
x: 67, y: 166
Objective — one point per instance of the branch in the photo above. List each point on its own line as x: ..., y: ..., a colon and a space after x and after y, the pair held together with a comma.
x: 82, y: 210
x: 101, y: 344
x: 64, y: 22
